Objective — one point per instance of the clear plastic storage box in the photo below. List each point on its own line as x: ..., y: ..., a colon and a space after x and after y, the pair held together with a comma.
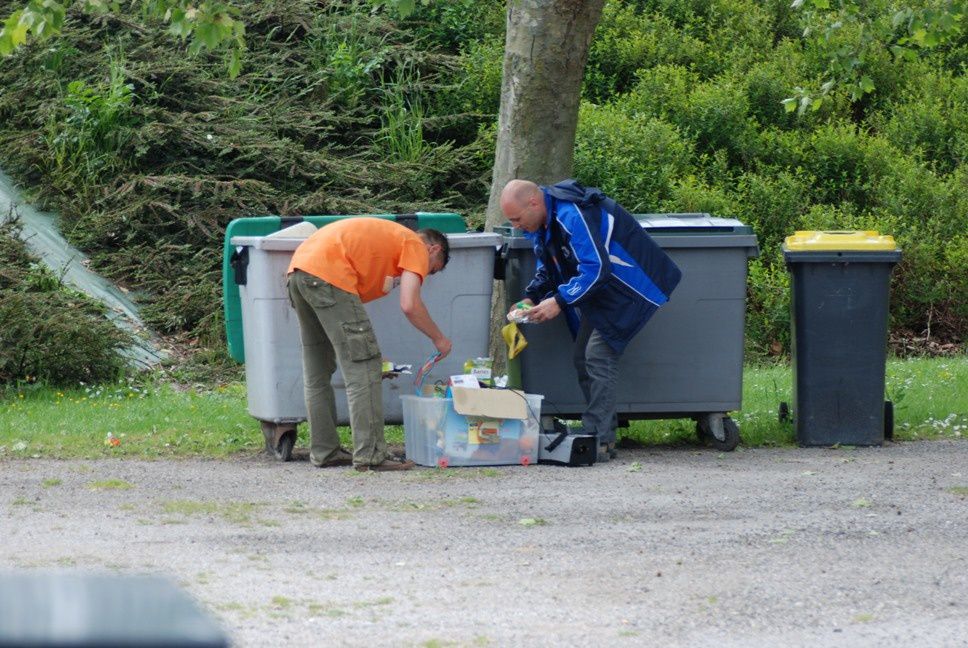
x: 435, y: 434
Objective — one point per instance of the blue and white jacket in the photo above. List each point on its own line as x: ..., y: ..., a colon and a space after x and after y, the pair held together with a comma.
x: 598, y: 263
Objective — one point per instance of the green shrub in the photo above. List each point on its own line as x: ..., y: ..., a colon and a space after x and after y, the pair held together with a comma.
x: 737, y: 33
x: 48, y: 332
x: 451, y: 24
x: 691, y: 194
x: 632, y: 158
x: 482, y: 68
x: 56, y: 338
x: 767, y: 84
x: 627, y: 41
x: 717, y: 117
x: 662, y: 91
x: 846, y: 164
x: 954, y: 319
x: 929, y: 120
x: 768, y: 306
x: 95, y: 127
x: 349, y: 65
x: 772, y: 204
x: 916, y: 195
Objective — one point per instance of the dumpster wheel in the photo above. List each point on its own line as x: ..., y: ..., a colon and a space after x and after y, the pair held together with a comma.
x: 704, y: 428
x: 280, y: 439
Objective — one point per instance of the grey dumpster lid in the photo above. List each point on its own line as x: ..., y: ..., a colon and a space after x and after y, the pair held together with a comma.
x: 686, y: 230
x: 691, y: 223
x: 457, y: 241
x: 697, y: 230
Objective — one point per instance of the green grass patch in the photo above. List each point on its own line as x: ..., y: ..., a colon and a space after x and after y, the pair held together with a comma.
x: 930, y: 398
x: 930, y: 402
x: 110, y: 484
x: 282, y: 602
x: 237, y: 512
x: 149, y: 422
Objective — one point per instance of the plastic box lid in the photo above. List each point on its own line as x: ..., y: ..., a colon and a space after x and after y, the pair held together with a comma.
x: 825, y: 241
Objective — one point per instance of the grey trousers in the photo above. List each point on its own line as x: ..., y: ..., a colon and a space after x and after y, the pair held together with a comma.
x: 333, y: 325
x: 597, y: 365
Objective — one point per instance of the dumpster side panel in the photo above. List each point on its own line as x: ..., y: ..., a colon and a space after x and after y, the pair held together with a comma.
x: 458, y: 299
x: 231, y: 306
x: 273, y: 368
x: 688, y: 358
x: 839, y: 351
x: 263, y: 225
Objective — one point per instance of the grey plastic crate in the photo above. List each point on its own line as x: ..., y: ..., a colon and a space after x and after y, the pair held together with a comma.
x: 459, y: 300
x: 688, y: 360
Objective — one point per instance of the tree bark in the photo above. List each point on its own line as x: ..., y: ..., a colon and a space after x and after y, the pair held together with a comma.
x: 545, y: 51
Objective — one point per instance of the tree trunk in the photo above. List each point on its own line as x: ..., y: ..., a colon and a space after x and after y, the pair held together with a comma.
x: 545, y: 52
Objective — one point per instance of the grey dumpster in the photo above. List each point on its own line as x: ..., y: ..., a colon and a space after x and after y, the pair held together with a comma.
x: 840, y: 297
x: 688, y: 360
x: 459, y: 300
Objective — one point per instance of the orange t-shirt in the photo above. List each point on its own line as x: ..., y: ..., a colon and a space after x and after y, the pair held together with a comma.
x: 363, y: 256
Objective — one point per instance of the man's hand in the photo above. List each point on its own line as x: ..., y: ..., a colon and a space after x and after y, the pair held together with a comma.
x: 548, y: 309
x: 444, y: 346
x: 517, y: 306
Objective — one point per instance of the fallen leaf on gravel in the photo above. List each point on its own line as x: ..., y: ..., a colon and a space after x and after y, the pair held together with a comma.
x: 635, y: 467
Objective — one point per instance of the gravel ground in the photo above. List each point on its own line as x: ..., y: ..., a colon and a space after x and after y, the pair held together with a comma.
x: 663, y: 547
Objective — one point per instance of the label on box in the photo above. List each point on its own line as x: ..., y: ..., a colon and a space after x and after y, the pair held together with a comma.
x: 465, y: 380
x: 482, y: 373
x: 483, y: 431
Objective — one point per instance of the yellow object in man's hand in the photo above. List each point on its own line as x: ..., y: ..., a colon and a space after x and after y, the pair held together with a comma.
x: 514, y: 338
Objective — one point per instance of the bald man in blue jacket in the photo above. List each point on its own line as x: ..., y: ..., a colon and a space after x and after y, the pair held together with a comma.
x: 598, y: 266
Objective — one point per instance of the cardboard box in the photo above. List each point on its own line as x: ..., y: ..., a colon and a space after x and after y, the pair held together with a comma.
x: 477, y: 427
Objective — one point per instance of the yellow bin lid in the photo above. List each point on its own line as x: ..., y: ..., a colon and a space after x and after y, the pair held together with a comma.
x: 818, y: 241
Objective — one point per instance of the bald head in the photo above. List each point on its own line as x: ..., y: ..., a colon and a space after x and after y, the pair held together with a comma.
x: 523, y: 205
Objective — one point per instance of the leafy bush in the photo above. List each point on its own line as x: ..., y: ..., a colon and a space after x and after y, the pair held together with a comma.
x: 48, y: 332
x: 772, y: 204
x: 662, y: 91
x: 632, y: 158
x: 845, y: 164
x: 717, y: 117
x: 690, y: 194
x: 929, y: 120
x: 768, y: 307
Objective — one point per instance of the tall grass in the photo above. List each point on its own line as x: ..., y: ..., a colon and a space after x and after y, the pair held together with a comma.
x: 402, y: 134
x: 160, y: 420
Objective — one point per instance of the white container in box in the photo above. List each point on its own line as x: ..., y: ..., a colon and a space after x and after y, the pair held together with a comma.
x: 477, y: 427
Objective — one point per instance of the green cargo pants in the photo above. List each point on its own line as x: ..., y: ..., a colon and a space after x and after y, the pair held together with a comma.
x: 333, y: 326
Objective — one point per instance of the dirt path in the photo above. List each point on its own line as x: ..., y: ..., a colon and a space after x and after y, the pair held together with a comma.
x: 790, y: 547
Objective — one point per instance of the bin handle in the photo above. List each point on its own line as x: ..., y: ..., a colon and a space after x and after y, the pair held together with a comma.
x: 239, y: 261
x: 501, y: 261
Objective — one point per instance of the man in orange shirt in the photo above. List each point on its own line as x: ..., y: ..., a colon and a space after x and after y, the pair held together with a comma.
x: 332, y: 274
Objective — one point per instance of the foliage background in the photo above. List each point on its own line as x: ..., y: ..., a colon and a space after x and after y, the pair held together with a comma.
x: 147, y: 152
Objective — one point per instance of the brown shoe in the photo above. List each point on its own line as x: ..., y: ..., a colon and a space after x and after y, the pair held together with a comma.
x: 386, y: 465
x: 341, y: 458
